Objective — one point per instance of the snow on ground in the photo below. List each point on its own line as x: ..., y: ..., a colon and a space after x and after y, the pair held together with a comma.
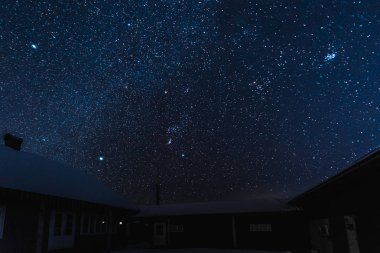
x: 191, y: 251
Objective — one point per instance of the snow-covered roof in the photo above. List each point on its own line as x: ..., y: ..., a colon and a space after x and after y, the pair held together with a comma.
x: 32, y: 173
x: 195, y: 250
x: 259, y: 205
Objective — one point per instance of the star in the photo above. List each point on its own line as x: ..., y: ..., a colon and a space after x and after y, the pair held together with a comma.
x: 206, y: 88
x: 330, y: 57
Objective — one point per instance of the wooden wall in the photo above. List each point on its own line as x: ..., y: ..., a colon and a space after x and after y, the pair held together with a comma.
x: 289, y: 231
x: 20, y: 223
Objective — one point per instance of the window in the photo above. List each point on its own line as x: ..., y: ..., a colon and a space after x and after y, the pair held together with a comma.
x: 159, y: 229
x: 176, y: 228
x: 69, y: 225
x: 97, y: 222
x: 260, y: 227
x: 85, y: 225
x: 349, y: 222
x: 350, y: 226
x: 118, y: 225
x: 324, y: 230
x: 2, y: 219
x: 57, y: 224
x: 92, y: 224
x: 103, y: 228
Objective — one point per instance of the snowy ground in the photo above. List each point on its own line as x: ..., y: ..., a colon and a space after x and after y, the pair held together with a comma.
x: 191, y: 251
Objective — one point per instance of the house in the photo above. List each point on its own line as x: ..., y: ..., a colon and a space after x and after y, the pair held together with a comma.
x: 343, y: 211
x: 264, y: 224
x: 47, y: 206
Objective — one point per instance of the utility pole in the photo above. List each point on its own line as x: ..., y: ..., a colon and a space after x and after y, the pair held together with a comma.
x: 158, y: 193
x: 158, y: 182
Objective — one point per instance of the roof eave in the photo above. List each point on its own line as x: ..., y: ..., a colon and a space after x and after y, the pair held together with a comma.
x: 351, y: 168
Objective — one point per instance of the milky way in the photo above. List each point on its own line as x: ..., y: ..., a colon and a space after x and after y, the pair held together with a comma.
x: 215, y: 99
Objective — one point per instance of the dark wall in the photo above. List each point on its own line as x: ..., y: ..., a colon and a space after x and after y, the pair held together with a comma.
x: 96, y: 242
x: 206, y: 231
x: 21, y: 223
x: 368, y: 229
x: 350, y: 194
x: 20, y: 226
x: 338, y: 234
x: 200, y: 231
x: 290, y: 231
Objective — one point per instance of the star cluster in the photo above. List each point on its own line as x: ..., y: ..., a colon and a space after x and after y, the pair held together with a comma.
x: 214, y: 99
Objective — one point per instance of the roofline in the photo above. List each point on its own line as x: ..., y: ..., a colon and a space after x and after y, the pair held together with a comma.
x: 130, y: 208
x: 124, y: 202
x: 215, y: 208
x: 351, y: 168
x: 260, y: 213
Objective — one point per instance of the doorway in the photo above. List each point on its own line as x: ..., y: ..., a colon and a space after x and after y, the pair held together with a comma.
x: 61, y: 230
x: 352, y: 239
x: 159, y: 234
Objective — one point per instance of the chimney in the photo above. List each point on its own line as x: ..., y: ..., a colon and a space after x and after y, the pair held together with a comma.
x: 12, y: 141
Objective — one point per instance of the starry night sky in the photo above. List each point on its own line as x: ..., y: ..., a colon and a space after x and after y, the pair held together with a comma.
x: 218, y: 99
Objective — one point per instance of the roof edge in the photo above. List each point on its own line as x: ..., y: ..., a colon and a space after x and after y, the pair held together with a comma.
x: 352, y: 167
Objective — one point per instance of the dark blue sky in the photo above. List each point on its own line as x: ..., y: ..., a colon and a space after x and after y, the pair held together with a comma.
x: 230, y: 99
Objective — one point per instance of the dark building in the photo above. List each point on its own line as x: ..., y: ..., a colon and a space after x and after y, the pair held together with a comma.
x: 47, y: 206
x: 265, y: 224
x: 343, y: 211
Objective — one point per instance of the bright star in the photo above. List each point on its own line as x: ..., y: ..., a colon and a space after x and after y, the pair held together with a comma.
x: 169, y: 141
x: 101, y: 158
x: 34, y: 46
